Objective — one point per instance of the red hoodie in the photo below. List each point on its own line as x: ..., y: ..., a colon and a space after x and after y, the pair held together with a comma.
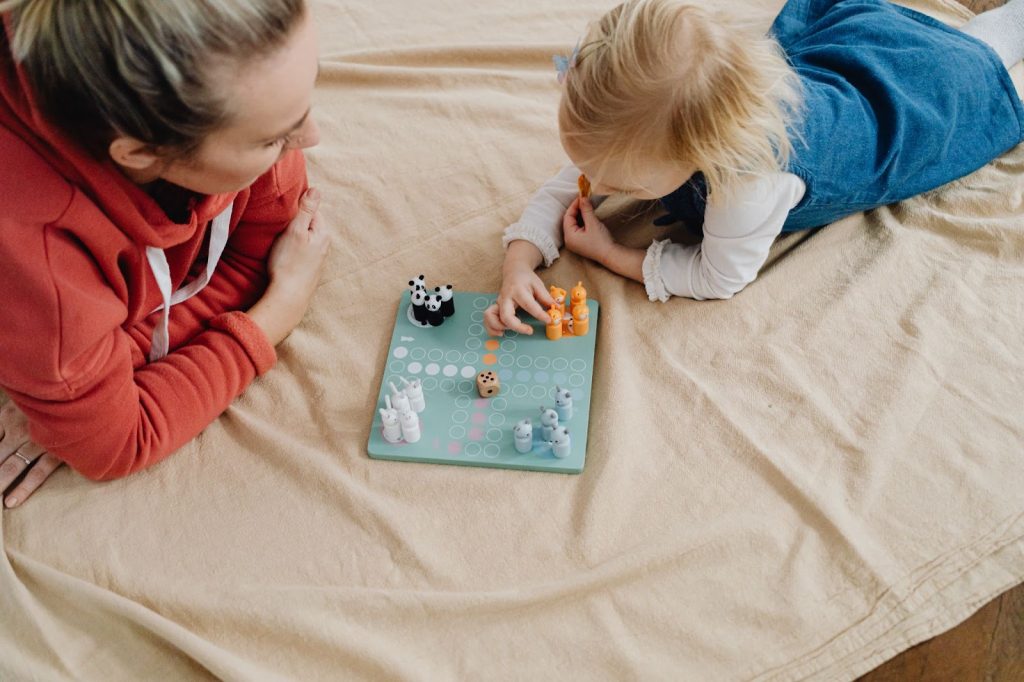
x: 76, y: 293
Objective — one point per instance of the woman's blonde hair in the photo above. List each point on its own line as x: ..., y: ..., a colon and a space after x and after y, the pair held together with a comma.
x: 143, y: 68
x: 676, y: 82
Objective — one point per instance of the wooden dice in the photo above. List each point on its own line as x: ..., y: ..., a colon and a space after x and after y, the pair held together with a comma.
x: 487, y: 384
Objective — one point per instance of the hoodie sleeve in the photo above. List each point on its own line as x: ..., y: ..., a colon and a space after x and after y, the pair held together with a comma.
x: 241, y: 276
x: 73, y: 369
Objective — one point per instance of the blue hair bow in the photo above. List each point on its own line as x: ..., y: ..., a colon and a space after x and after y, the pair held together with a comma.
x: 563, y: 63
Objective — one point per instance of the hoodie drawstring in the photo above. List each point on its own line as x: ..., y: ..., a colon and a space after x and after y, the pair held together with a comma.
x: 162, y: 273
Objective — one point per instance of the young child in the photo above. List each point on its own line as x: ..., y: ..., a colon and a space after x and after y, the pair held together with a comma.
x: 845, y: 106
x: 157, y: 239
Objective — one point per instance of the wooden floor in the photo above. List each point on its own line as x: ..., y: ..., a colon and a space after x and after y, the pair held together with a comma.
x: 988, y: 646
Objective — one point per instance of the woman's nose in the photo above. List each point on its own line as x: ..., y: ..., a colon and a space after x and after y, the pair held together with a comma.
x: 307, y: 136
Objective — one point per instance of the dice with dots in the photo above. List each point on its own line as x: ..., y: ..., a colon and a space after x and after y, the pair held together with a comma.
x: 487, y: 384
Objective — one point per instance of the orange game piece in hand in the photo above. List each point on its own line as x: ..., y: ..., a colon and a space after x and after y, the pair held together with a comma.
x: 584, y: 185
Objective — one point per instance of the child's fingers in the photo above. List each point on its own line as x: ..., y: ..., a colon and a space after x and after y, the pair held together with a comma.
x: 534, y: 308
x: 569, y: 219
x: 586, y: 209
x: 544, y: 296
x: 507, y: 316
x: 491, y: 322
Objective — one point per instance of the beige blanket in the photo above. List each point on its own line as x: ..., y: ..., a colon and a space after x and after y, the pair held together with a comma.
x: 797, y: 483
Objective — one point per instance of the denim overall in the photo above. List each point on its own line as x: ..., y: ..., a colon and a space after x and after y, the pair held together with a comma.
x: 895, y: 104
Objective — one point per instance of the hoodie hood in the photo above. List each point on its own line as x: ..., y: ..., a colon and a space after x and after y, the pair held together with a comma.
x: 127, y: 205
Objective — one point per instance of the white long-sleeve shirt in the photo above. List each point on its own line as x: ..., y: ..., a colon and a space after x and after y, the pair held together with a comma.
x: 737, y: 235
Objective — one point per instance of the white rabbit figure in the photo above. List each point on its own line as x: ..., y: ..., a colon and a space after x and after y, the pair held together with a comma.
x: 414, y: 390
x: 561, y: 445
x: 523, y: 434
x: 410, y: 422
x: 563, y: 403
x: 392, y: 429
x: 548, y: 422
x: 399, y: 398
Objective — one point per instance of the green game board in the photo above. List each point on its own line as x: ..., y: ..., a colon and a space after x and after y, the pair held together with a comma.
x: 459, y: 427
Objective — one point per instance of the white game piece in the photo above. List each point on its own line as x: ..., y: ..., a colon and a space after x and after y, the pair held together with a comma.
x: 392, y: 430
x: 563, y: 403
x: 523, y: 433
x: 548, y: 422
x: 410, y: 422
x: 414, y: 390
x: 560, y: 442
x: 399, y: 398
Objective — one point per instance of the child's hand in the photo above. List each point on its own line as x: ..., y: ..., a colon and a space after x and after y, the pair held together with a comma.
x: 520, y: 288
x: 593, y: 240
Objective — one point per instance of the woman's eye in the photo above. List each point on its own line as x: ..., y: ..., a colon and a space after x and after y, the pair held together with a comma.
x: 278, y: 141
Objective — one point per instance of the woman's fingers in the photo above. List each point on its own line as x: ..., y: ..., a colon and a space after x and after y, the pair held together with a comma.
x: 308, y: 206
x: 17, y: 460
x: 45, y: 465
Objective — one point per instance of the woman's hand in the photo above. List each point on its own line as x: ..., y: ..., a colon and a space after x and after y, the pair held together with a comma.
x: 18, y: 453
x: 294, y: 265
x: 593, y: 240
x: 520, y: 288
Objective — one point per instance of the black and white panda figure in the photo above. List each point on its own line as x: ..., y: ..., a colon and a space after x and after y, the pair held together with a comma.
x: 434, y: 315
x: 417, y: 284
x: 447, y: 300
x: 419, y: 307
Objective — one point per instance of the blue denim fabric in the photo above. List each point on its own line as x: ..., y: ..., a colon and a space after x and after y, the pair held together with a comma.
x: 895, y: 104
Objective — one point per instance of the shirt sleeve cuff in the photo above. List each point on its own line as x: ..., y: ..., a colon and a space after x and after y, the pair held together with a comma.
x: 539, y: 238
x: 249, y: 335
x: 654, y: 281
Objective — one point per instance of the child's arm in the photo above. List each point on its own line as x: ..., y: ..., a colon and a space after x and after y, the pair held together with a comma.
x: 541, y: 220
x: 737, y: 238
x: 530, y: 242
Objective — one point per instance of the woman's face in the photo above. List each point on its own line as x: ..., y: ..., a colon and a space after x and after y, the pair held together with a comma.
x: 269, y: 101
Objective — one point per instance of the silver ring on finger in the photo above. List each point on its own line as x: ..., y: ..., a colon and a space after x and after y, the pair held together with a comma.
x: 23, y: 458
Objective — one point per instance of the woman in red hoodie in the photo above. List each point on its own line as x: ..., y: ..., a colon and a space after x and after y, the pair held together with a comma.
x: 157, y: 238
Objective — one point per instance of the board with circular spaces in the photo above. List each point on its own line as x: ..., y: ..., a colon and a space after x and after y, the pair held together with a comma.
x: 437, y: 366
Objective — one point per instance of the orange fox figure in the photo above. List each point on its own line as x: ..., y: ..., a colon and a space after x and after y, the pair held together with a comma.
x: 579, y: 295
x: 554, y: 330
x: 581, y: 319
x: 559, y: 296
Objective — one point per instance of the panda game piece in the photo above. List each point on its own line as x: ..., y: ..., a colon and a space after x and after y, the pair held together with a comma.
x: 419, y: 307
x: 417, y: 284
x: 434, y: 315
x: 447, y: 300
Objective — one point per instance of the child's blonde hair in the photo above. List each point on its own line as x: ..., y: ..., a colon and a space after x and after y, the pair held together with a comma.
x: 677, y: 82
